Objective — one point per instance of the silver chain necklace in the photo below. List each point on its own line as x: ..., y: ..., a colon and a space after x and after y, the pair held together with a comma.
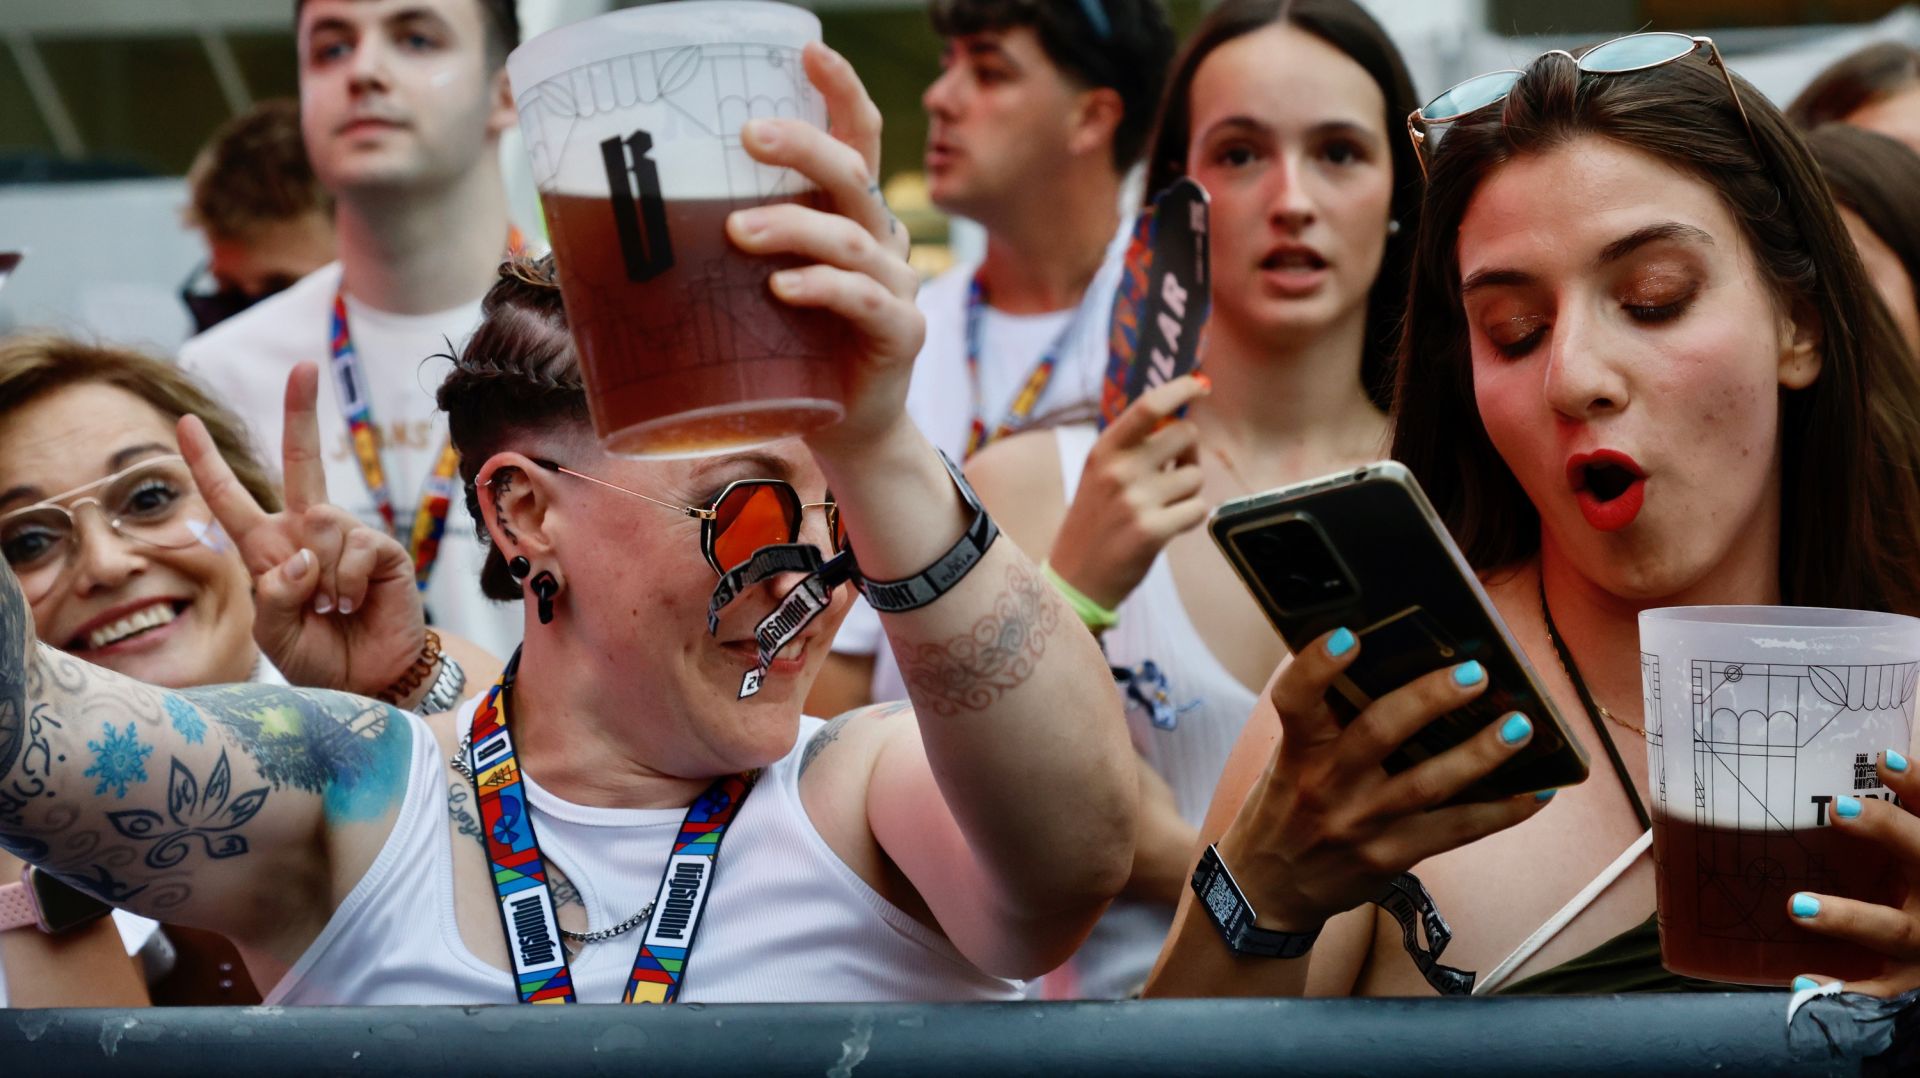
x: 459, y: 762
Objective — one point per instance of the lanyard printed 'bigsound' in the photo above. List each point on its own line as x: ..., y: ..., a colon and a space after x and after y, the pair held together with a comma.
x: 540, y: 971
x: 1035, y: 387
x: 429, y: 522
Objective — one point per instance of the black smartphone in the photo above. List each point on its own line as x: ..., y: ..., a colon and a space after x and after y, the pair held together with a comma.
x: 1365, y: 550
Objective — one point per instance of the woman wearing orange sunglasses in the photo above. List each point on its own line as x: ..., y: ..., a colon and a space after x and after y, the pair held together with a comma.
x: 612, y: 820
x: 1642, y: 367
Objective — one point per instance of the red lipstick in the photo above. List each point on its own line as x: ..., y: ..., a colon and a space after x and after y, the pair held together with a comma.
x: 1610, y: 486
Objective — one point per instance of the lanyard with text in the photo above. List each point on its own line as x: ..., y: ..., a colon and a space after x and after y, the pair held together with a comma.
x: 540, y: 972
x: 436, y: 494
x: 1030, y: 391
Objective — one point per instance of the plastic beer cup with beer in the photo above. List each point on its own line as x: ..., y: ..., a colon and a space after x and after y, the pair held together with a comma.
x: 632, y: 120
x: 1758, y: 719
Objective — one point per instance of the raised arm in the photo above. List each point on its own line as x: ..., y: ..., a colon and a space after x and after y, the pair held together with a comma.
x: 248, y: 810
x: 1010, y: 804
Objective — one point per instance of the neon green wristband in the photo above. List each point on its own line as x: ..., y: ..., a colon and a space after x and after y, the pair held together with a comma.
x: 1092, y: 614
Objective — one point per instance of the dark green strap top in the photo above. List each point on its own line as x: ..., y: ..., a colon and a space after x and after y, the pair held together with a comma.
x: 1630, y: 961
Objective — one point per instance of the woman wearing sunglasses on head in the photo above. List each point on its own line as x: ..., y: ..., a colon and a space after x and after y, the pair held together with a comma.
x: 621, y: 816
x: 1288, y: 114
x: 125, y: 564
x: 1642, y: 368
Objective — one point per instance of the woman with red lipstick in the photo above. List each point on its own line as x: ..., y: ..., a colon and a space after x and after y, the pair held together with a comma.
x: 1288, y: 114
x: 1643, y: 368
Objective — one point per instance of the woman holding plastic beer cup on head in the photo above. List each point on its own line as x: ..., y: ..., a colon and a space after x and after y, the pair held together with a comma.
x: 1641, y: 370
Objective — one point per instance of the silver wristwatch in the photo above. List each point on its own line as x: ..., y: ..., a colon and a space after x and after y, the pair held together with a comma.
x: 444, y: 693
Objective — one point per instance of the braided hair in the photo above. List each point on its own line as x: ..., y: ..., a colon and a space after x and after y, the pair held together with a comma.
x: 517, y: 375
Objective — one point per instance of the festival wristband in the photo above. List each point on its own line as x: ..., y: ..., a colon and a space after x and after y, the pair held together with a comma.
x: 1091, y: 614
x: 1407, y: 901
x: 914, y: 592
x: 1228, y: 909
x: 802, y: 603
x: 766, y: 562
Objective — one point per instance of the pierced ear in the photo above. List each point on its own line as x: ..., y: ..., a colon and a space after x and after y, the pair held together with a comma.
x: 1800, y: 361
x: 1096, y: 120
x: 514, y: 501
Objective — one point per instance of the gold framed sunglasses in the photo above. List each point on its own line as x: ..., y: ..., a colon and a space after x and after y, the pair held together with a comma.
x: 1634, y: 52
x: 746, y: 515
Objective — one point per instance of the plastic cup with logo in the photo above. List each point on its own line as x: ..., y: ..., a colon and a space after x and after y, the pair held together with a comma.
x: 1758, y: 720
x: 632, y: 120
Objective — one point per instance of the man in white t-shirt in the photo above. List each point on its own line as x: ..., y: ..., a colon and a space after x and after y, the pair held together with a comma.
x: 1039, y: 112
x: 402, y: 106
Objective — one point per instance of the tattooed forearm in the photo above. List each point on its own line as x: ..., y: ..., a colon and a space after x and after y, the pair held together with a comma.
x: 970, y: 672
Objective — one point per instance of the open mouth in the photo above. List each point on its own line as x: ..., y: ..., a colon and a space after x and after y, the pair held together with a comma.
x: 791, y: 660
x: 1293, y: 260
x: 1610, y: 487
x: 131, y: 626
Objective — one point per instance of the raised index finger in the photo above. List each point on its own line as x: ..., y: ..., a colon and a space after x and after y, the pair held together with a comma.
x: 302, y: 469
x: 852, y: 116
x: 232, y: 506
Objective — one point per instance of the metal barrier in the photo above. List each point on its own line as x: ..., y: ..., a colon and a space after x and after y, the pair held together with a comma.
x: 1616, y: 1036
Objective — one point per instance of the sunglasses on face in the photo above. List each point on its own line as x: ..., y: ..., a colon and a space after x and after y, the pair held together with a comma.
x: 1634, y: 52
x: 153, y: 503
x: 746, y: 515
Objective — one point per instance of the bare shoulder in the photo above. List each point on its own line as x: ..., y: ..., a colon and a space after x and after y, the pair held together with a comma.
x: 1019, y: 482
x: 853, y: 737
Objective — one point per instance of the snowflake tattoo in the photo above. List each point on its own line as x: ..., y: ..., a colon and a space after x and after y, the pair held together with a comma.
x: 186, y: 719
x: 118, y: 761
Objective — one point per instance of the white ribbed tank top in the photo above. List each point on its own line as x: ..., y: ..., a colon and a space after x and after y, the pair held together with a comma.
x: 786, y: 920
x: 1213, y: 706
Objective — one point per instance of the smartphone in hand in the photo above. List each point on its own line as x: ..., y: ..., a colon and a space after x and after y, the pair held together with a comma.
x: 1365, y: 550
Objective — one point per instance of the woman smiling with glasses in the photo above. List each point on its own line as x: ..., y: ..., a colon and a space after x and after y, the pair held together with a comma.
x: 1642, y: 367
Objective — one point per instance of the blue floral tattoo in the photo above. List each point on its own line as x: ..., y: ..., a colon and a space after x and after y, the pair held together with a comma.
x: 118, y: 762
x: 186, y: 719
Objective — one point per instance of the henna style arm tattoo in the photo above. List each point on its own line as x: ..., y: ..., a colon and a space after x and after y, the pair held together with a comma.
x: 971, y: 671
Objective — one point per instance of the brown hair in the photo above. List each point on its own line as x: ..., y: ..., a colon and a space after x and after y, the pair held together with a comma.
x: 1877, y: 178
x: 36, y: 365
x: 518, y: 374
x: 252, y: 172
x: 1850, y: 507
x: 1855, y: 80
x: 501, y: 18
x: 1347, y: 27
x: 1127, y: 51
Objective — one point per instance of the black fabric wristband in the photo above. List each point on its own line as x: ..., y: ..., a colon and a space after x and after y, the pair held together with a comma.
x: 914, y: 592
x: 1228, y: 909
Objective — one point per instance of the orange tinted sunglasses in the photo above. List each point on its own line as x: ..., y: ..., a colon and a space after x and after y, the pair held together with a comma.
x: 746, y: 515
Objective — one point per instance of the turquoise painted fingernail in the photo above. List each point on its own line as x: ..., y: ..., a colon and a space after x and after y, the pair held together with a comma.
x: 1805, y: 905
x: 1802, y: 984
x: 1469, y: 673
x: 1895, y: 761
x: 1340, y: 642
x: 1846, y: 808
x: 1545, y: 795
x: 1515, y: 729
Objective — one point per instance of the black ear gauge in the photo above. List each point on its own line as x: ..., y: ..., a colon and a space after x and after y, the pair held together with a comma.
x: 519, y: 567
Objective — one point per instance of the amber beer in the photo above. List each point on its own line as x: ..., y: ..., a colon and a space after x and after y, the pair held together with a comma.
x: 1723, y: 897
x: 684, y: 348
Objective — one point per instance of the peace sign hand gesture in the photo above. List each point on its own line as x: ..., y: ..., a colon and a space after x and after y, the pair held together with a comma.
x: 335, y: 605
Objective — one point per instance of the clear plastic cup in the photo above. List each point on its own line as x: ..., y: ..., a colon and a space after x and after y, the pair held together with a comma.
x: 633, y: 121
x: 1758, y: 718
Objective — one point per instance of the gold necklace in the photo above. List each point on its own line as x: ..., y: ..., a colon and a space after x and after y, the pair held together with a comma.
x: 1572, y: 670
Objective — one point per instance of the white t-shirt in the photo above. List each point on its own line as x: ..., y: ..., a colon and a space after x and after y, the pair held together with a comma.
x: 245, y: 361
x: 786, y: 919
x: 941, y: 397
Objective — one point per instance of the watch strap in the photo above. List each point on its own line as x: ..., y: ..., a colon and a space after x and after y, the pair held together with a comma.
x: 914, y: 592
x: 444, y: 693
x: 1227, y: 907
x: 17, y: 909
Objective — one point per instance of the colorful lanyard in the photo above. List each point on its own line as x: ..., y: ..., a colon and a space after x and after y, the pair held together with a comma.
x: 540, y: 972
x: 1030, y: 391
x: 436, y: 495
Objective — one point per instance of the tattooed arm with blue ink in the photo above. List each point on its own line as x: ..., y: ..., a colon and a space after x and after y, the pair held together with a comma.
x: 246, y: 809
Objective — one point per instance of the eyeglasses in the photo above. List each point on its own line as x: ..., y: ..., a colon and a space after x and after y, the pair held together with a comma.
x: 153, y: 503
x: 746, y: 515
x: 1634, y: 52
